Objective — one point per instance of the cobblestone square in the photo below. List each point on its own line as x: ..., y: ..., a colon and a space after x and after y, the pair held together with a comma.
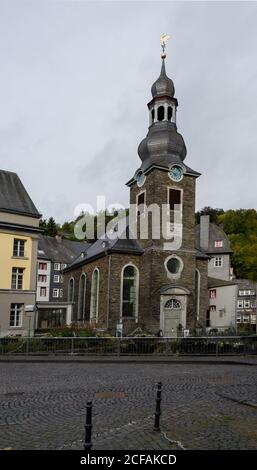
x: 204, y: 406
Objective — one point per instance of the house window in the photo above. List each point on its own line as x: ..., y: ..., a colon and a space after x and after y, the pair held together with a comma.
x: 16, y: 315
x: 61, y: 293
x: 71, y: 290
x: 42, y: 266
x: 141, y: 203
x: 129, y: 291
x: 240, y: 304
x: 208, y: 319
x: 212, y: 293
x: 218, y: 243
x: 212, y: 308
x: 238, y: 319
x: 82, y: 292
x: 56, y: 278
x: 57, y: 266
x: 18, y: 247
x: 94, y: 296
x: 64, y: 265
x: 246, y: 292
x: 55, y: 293
x: 61, y: 279
x: 42, y: 291
x: 247, y: 303
x: 253, y: 304
x: 17, y: 278
x: 218, y: 262
x: 42, y: 278
x: 246, y: 319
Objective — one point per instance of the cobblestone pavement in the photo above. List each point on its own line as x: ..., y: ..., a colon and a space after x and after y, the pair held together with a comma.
x: 203, y: 407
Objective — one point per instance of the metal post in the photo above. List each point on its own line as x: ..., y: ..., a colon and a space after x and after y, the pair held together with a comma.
x: 158, y: 407
x: 27, y: 345
x: 88, y: 427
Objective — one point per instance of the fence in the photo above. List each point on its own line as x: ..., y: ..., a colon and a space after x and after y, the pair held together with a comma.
x: 129, y: 346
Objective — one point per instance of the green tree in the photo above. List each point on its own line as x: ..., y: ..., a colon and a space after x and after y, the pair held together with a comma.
x: 241, y: 227
x: 213, y: 213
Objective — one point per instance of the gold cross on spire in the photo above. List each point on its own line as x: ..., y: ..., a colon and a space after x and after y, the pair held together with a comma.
x: 164, y: 38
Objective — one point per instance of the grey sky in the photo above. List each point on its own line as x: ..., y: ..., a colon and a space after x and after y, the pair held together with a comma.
x: 75, y: 80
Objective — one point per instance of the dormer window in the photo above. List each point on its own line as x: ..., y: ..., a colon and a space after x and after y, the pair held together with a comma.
x: 218, y: 243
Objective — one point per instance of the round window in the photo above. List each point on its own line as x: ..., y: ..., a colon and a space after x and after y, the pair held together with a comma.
x: 173, y: 265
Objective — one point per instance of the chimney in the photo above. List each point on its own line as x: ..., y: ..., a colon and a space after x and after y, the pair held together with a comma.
x: 204, y: 232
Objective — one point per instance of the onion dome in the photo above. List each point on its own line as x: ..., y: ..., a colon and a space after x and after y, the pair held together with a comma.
x: 163, y: 146
x: 163, y: 86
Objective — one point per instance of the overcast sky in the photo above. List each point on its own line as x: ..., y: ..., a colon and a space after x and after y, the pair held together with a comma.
x: 75, y: 80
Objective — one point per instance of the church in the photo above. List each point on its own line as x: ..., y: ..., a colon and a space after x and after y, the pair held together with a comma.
x: 148, y: 282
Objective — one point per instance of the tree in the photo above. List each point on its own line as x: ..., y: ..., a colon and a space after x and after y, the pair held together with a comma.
x: 241, y: 228
x: 213, y: 213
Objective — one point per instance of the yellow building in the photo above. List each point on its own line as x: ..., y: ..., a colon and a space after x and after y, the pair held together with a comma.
x: 19, y: 230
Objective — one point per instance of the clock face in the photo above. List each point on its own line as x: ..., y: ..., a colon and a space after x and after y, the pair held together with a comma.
x: 176, y: 173
x: 140, y: 179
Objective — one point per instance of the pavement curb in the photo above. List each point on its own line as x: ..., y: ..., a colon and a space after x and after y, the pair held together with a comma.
x: 250, y: 361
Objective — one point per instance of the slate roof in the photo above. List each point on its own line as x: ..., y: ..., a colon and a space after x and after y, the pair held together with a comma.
x: 246, y: 284
x: 213, y: 282
x: 201, y: 254
x: 60, y: 250
x: 107, y: 245
x: 216, y: 232
x: 14, y: 197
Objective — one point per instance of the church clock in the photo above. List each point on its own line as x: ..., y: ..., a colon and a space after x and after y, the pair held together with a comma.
x: 176, y: 173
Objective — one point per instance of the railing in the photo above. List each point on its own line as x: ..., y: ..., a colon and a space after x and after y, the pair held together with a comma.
x: 129, y: 346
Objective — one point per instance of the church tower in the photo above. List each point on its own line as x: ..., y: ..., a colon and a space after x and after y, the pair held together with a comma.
x: 175, y: 289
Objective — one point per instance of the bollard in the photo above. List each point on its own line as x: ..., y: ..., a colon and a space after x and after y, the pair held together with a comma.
x: 88, y: 427
x: 158, y: 407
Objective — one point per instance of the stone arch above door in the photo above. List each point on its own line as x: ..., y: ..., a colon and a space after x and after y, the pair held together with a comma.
x: 174, y: 290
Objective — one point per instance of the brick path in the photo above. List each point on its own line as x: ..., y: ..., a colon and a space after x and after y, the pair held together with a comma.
x: 204, y: 406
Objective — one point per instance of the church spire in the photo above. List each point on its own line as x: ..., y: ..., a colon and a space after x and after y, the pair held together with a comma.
x: 163, y: 145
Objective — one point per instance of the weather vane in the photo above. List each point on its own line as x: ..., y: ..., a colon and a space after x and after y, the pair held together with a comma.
x: 164, y: 39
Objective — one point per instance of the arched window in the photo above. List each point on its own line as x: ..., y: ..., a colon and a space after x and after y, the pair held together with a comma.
x: 71, y: 290
x: 173, y: 304
x: 94, y: 296
x: 153, y: 114
x: 169, y: 113
x: 160, y: 113
x: 197, y: 294
x: 129, y: 291
x: 82, y: 293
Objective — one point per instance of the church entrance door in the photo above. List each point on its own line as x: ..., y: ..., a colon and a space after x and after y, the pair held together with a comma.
x: 172, y: 314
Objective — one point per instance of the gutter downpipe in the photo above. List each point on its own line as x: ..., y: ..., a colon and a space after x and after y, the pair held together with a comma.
x: 108, y: 292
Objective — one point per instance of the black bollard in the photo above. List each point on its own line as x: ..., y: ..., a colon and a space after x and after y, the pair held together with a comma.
x: 88, y: 427
x: 157, y: 414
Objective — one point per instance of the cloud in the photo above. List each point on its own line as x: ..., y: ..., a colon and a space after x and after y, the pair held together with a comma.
x: 74, y: 86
